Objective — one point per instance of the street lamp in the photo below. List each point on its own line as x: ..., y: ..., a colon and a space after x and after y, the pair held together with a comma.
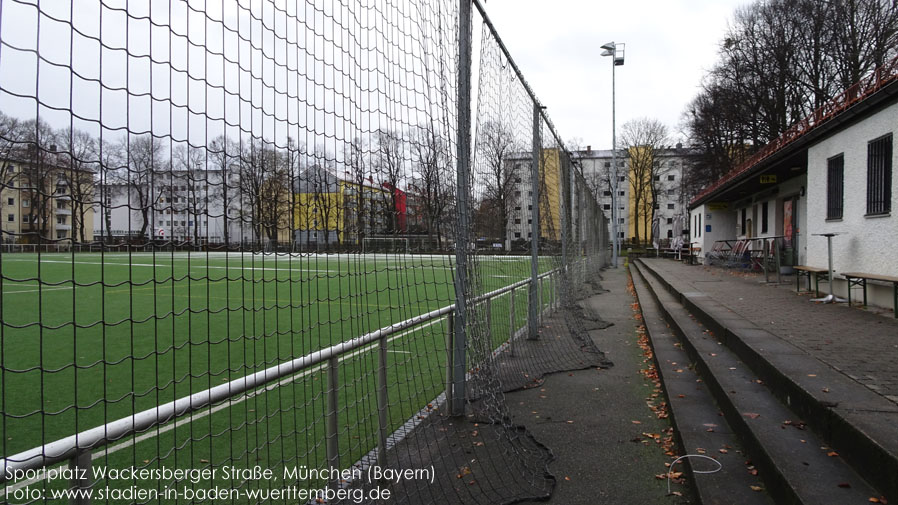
x: 616, y: 51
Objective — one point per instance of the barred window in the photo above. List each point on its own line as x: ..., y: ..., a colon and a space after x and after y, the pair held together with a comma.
x: 835, y: 186
x: 879, y: 175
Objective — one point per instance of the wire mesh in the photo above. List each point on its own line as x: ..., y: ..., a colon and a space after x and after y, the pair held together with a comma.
x: 229, y: 248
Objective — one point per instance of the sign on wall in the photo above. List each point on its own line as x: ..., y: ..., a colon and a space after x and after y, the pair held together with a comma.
x: 768, y: 179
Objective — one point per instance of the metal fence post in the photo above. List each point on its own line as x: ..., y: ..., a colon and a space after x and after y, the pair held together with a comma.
x: 82, y: 464
x: 382, y: 406
x: 463, y: 146
x: 511, y: 322
x: 533, y: 320
x: 450, y: 336
x: 489, y: 319
x: 333, y: 425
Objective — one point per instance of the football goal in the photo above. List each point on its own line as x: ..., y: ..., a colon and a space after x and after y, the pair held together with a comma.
x: 394, y: 245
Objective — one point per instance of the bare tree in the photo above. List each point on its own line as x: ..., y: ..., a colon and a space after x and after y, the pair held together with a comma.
x: 644, y: 137
x: 224, y: 159
x: 389, y: 169
x: 264, y: 188
x: 354, y: 157
x: 79, y: 166
x: 496, y: 145
x: 144, y: 161
x: 12, y: 147
x: 190, y: 163
x: 434, y: 183
x: 39, y: 174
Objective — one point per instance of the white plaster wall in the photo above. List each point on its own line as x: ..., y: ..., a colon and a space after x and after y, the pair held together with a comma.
x: 723, y: 227
x: 866, y: 244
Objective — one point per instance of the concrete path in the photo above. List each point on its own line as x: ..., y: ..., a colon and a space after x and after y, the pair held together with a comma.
x: 594, y: 420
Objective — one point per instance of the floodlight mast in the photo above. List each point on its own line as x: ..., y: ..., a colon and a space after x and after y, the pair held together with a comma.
x: 617, y: 59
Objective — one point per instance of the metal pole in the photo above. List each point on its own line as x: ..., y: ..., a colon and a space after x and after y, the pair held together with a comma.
x: 511, y: 322
x: 382, y: 406
x: 614, y: 185
x: 450, y: 336
x: 459, y: 344
x: 82, y: 464
x: 829, y: 247
x: 533, y: 320
x: 776, y: 254
x: 333, y: 446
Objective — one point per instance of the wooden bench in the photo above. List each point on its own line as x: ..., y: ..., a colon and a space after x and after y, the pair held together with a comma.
x: 806, y: 271
x: 860, y: 279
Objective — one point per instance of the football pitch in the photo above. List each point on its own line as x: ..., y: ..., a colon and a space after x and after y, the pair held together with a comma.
x: 89, y: 338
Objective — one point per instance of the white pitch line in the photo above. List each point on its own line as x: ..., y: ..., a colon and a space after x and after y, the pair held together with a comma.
x: 53, y: 288
x: 160, y: 265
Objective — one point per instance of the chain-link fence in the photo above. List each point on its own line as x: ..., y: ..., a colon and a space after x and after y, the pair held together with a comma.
x: 295, y: 238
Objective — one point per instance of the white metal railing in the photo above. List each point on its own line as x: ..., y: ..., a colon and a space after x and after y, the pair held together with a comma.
x: 77, y: 449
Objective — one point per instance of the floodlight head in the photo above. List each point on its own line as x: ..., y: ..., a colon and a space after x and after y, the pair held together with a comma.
x: 607, y: 52
x: 609, y: 46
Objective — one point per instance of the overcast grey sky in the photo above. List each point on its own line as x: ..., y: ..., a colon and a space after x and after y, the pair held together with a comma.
x: 669, y: 46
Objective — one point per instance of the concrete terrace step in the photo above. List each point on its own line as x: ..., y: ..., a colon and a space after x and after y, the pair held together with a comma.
x: 698, y: 422
x: 796, y: 464
x: 859, y: 423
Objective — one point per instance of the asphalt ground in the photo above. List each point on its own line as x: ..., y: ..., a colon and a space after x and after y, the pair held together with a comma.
x: 598, y: 422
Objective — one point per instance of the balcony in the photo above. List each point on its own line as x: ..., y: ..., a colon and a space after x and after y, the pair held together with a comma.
x: 63, y: 212
x: 63, y: 227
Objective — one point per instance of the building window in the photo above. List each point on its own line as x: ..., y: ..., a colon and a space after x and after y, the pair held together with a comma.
x: 670, y: 220
x: 744, y: 216
x: 10, y: 201
x: 657, y: 177
x: 671, y: 192
x: 621, y: 193
x: 671, y: 177
x: 699, y: 225
x: 670, y: 206
x: 669, y: 233
x: 879, y: 175
x: 517, y: 221
x: 607, y: 193
x: 835, y: 186
x: 26, y: 203
x: 11, y: 218
x: 607, y: 164
x: 764, y: 215
x: 517, y: 234
x: 607, y: 206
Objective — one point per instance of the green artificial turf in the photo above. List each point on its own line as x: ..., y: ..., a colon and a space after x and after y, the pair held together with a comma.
x: 88, y: 338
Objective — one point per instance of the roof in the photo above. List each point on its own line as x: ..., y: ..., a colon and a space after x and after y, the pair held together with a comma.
x: 878, y: 88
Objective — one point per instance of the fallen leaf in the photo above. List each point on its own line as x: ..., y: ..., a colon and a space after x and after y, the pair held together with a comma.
x: 723, y: 451
x: 567, y: 478
x: 757, y: 488
x: 825, y: 390
x: 832, y: 454
x: 751, y: 415
x: 636, y: 422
